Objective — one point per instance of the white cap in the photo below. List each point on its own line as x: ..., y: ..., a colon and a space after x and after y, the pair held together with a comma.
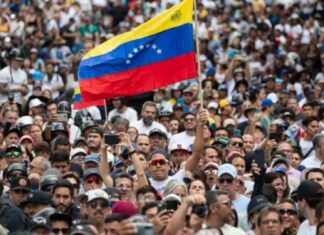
x: 213, y: 105
x: 177, y: 146
x: 97, y: 194
x: 227, y: 169
x: 35, y: 103
x: 77, y: 150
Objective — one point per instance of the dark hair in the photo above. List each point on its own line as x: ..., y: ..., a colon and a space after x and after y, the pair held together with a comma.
x: 204, y: 183
x: 319, y: 226
x: 146, y: 189
x: 287, y: 200
x: 123, y: 175
x: 223, y: 129
x: 60, y: 156
x: 71, y: 174
x: 141, y: 135
x: 270, y: 193
x: 271, y: 176
x: 63, y: 183
x: 319, y: 210
x: 317, y: 170
x: 115, y: 217
x: 308, y: 120
x: 219, y: 151
x: 149, y: 206
x: 198, y: 174
x: 266, y: 211
x: 61, y: 140
x: 42, y: 147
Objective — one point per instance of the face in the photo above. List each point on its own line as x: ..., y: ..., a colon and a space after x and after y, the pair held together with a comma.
x: 248, y: 143
x: 289, y: 214
x: 62, y: 199
x: 124, y: 186
x: 159, y: 167
x: 11, y: 117
x: 18, y: 196
x: 312, y: 128
x: 287, y: 149
x: 278, y: 184
x: 211, y: 155
x: 227, y: 183
x: 211, y: 175
x: 112, y: 228
x: 60, y: 227
x: 151, y: 213
x: 180, y: 192
x: 92, y: 182
x: 292, y: 104
x: 13, y: 156
x: 321, y: 230
x: 174, y: 126
x: 143, y: 144
x: 157, y: 141
x: 225, y: 208
x: 307, y: 111
x: 61, y: 166
x: 117, y: 103
x: 36, y: 133
x: 236, y: 144
x: 52, y: 110
x: 178, y: 156
x: 94, y: 140
x: 132, y: 132
x: 97, y: 209
x: 317, y: 177
x: 32, y: 208
x: 148, y: 115
x: 12, y: 138
x: 190, y: 122
x: 239, y: 164
x: 165, y: 121
x: 295, y: 160
x: 221, y: 133
x: 197, y: 187
x: 270, y: 224
x: 143, y: 199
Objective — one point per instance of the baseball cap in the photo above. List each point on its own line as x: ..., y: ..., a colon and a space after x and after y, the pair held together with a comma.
x: 228, y: 122
x: 179, y: 147
x: 227, y: 169
x: 124, y: 208
x: 97, y: 194
x: 223, y: 103
x: 211, y: 164
x: 288, y: 114
x: 93, y: 157
x: 157, y: 131
x: 80, y: 139
x: 257, y: 203
x: 309, y: 189
x: 39, y: 197
x: 178, y: 106
x: 25, y: 137
x: 77, y: 151
x: 13, y: 147
x: 88, y: 125
x: 20, y: 183
x: 281, y: 160
x: 233, y: 153
x: 91, y: 171
x: 266, y: 103
x: 17, y: 167
x: 221, y: 140
x: 35, y: 103
x: 81, y: 229
x: 40, y: 222
x: 14, y: 129
x: 212, y: 105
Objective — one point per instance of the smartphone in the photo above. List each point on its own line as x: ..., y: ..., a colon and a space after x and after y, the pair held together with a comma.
x: 237, y: 133
x: 273, y: 136
x: 111, y: 139
x: 199, y: 210
x: 11, y: 97
x: 171, y: 205
x: 144, y: 228
x: 259, y: 159
x: 62, y: 117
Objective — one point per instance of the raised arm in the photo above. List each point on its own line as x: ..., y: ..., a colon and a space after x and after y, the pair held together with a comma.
x: 104, y: 167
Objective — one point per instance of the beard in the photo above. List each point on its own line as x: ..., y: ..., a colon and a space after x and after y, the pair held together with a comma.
x: 147, y: 121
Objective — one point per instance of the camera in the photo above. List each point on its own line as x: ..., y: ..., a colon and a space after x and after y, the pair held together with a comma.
x: 11, y: 97
x: 199, y: 210
x: 111, y: 139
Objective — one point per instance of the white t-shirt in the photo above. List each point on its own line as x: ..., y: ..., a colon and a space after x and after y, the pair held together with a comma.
x: 56, y: 82
x: 240, y: 205
x: 306, y: 229
x: 12, y: 79
x: 311, y: 162
x: 182, y: 138
x: 231, y: 230
x: 142, y: 129
x: 305, y: 146
x: 160, y: 185
x: 130, y: 114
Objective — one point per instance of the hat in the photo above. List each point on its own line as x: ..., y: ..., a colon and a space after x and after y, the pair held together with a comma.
x: 229, y: 121
x: 124, y: 208
x: 77, y: 151
x: 80, y: 139
x: 257, y: 203
x: 177, y: 106
x: 25, y: 121
x: 179, y: 147
x: 39, y: 222
x: 61, y: 217
x: 93, y: 157
x: 87, y: 125
x: 34, y: 50
x: 222, y: 87
x: 97, y: 194
x: 211, y: 164
x: 90, y: 172
x: 187, y: 90
x: 14, y: 129
x: 96, y: 130
x: 25, y: 137
x: 172, y: 197
x: 309, y: 189
x: 20, y: 183
x: 223, y: 103
x: 221, y: 140
x: 13, y: 147
x: 35, y: 103
x: 212, y: 105
x: 157, y: 131
x: 165, y: 113
x: 16, y: 167
x: 288, y: 114
x: 81, y: 229
x: 39, y: 197
x: 227, y: 169
x: 266, y: 103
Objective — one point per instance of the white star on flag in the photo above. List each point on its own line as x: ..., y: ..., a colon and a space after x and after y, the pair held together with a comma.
x: 159, y: 51
x: 141, y: 47
x: 135, y: 50
x: 130, y: 55
x: 154, y: 46
x: 147, y: 45
x: 128, y: 61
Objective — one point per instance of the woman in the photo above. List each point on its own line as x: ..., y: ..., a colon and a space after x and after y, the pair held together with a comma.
x: 277, y: 180
x: 175, y: 187
x: 197, y: 187
x: 288, y: 211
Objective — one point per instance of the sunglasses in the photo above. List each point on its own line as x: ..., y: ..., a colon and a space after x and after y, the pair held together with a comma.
x: 226, y: 203
x: 222, y: 181
x: 92, y: 180
x: 57, y: 230
x: 238, y: 144
x: 13, y: 154
x: 12, y: 176
x: 210, y: 172
x: 160, y: 162
x: 95, y: 204
x: 288, y: 212
x: 189, y: 119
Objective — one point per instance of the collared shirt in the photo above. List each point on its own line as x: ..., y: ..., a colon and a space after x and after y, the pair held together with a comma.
x: 142, y: 129
x: 311, y: 162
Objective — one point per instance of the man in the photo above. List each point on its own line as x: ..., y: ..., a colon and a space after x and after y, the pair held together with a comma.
x: 248, y: 143
x: 165, y: 120
x: 315, y: 174
x: 13, y: 154
x: 158, y: 139
x: 124, y: 183
x: 211, y: 154
x: 145, y: 195
x: 122, y: 110
x: 19, y: 189
x: 178, y: 154
x: 270, y: 221
x: 10, y: 116
x: 12, y: 136
x: 97, y: 208
x: 236, y: 144
x: 309, y: 193
x: 315, y: 160
x: 219, y: 210
x: 112, y: 224
x: 62, y: 196
x: 311, y: 126
x: 186, y: 137
x: 91, y: 161
x: 228, y: 182
x: 38, y: 166
x: 147, y: 123
x: 287, y: 149
x: 36, y: 201
x: 267, y: 111
x: 92, y: 179
x: 61, y: 161
x: 94, y: 139
x: 143, y: 143
x: 60, y: 223
x: 13, y: 80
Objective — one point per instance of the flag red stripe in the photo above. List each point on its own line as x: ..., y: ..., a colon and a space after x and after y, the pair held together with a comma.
x: 141, y: 79
x: 86, y: 104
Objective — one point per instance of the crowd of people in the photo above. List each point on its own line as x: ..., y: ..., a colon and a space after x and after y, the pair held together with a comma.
x: 248, y: 160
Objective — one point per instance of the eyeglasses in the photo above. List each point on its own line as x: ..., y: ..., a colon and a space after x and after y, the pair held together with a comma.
x: 288, y: 212
x: 15, y: 154
x: 238, y: 144
x: 57, y: 230
x: 222, y: 181
x: 189, y: 119
x: 272, y: 221
x: 91, y: 180
x: 12, y: 176
x: 146, y: 198
x: 226, y: 203
x: 210, y: 172
x: 187, y: 180
x: 160, y: 162
x: 94, y: 204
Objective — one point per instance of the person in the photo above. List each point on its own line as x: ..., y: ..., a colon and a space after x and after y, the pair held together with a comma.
x: 315, y: 174
x: 143, y: 144
x: 288, y: 211
x: 35, y: 202
x: 158, y: 139
x: 270, y: 221
x: 122, y: 110
x: 19, y: 188
x: 315, y: 160
x: 311, y: 129
x: 60, y: 223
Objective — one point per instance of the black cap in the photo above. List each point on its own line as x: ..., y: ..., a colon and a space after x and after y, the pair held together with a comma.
x: 12, y: 130
x: 88, y: 125
x: 39, y: 222
x: 39, y: 197
x: 288, y: 113
x: 91, y: 171
x: 59, y: 216
x: 80, y: 139
x: 157, y: 131
x: 257, y: 203
x: 20, y: 183
x: 13, y: 147
x: 97, y: 130
x: 17, y: 167
x: 309, y: 189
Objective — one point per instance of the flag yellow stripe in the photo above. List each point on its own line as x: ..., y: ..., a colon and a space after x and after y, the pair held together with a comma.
x: 176, y: 16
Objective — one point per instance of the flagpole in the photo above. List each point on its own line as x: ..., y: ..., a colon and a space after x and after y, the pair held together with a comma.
x: 200, y: 91
x: 106, y: 111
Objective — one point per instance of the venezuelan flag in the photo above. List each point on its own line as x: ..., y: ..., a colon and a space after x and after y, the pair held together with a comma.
x: 155, y: 54
x: 79, y: 104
